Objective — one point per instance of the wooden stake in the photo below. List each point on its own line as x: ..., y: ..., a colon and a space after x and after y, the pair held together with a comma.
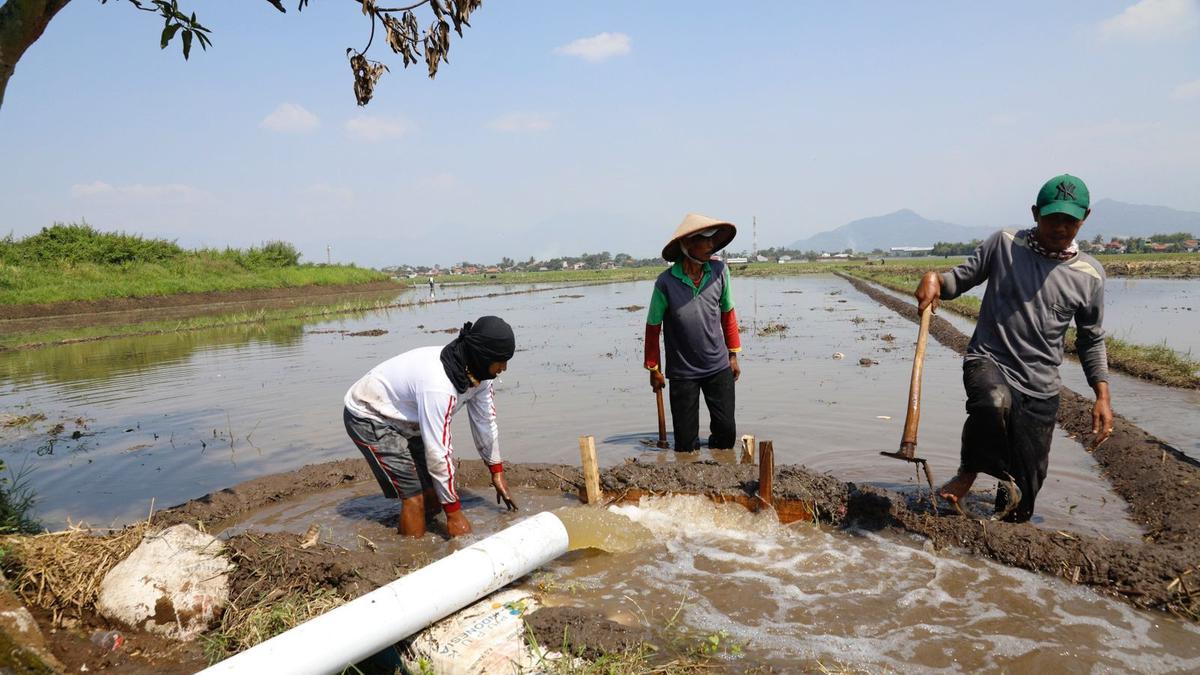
x: 591, y: 470
x: 766, y: 472
x: 747, y: 450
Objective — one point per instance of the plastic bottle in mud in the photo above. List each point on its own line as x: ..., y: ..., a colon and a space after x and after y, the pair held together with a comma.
x: 108, y: 640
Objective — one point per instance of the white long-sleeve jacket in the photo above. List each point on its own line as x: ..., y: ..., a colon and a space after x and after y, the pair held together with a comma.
x: 412, y: 394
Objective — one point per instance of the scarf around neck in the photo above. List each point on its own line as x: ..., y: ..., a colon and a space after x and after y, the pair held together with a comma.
x: 477, y: 347
x: 1036, y: 247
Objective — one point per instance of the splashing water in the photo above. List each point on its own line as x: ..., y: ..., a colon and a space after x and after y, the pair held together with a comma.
x: 589, y: 527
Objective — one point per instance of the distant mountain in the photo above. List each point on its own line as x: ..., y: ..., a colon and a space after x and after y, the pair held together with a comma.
x: 1111, y: 218
x: 902, y: 228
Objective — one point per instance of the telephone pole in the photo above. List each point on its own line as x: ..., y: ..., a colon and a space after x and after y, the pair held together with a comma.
x: 754, y: 248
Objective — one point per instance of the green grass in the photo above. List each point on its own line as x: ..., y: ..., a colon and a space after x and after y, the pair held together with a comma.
x: 16, y: 502
x: 77, y: 262
x: 1157, y: 363
x: 20, y: 285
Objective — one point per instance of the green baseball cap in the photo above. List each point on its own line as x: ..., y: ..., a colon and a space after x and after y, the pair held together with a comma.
x: 1064, y: 194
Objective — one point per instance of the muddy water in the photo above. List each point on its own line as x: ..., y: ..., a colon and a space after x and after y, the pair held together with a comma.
x: 864, y: 601
x: 793, y: 597
x: 169, y: 418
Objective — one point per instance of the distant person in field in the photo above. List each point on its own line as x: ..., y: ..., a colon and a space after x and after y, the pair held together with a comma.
x: 399, y: 416
x: 1038, y: 282
x: 692, y: 306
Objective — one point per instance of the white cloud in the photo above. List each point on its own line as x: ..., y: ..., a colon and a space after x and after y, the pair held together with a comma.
x: 598, y: 47
x: 1151, y: 20
x: 519, y: 121
x: 372, y: 129
x: 290, y: 118
x: 138, y: 192
x: 1187, y: 90
x: 98, y: 187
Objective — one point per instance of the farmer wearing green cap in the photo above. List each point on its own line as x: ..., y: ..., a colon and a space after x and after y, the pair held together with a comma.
x: 1038, y: 281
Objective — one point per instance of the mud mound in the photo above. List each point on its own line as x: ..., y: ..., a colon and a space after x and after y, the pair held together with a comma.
x: 216, y: 507
x: 582, y: 633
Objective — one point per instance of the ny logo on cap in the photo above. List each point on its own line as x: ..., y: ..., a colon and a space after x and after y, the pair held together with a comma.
x: 1066, y: 191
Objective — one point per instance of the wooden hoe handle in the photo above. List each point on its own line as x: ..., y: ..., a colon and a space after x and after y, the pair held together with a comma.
x: 908, y: 442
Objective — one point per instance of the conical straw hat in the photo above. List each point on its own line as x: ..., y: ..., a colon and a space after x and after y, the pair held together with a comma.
x: 693, y: 223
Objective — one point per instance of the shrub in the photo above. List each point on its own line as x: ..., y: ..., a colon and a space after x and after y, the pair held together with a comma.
x: 273, y: 254
x: 81, y: 243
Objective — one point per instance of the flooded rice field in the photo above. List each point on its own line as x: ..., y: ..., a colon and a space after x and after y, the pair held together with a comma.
x: 140, y: 423
x: 172, y: 417
x: 1151, y: 311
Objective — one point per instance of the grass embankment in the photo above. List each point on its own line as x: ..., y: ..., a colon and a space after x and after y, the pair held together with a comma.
x: 75, y: 262
x: 263, y: 316
x: 1156, y: 363
x: 1155, y: 265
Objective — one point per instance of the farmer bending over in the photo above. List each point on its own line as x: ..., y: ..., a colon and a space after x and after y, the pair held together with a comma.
x: 693, y: 305
x: 399, y: 416
x: 1038, y: 281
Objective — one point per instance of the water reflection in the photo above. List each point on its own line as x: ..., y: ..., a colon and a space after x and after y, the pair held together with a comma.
x: 83, y: 364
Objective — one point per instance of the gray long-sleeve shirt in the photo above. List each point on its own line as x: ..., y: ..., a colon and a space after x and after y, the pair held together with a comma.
x: 1029, y: 302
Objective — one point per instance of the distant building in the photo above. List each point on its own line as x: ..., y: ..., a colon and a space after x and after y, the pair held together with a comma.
x: 911, y: 250
x: 736, y: 261
x: 760, y: 258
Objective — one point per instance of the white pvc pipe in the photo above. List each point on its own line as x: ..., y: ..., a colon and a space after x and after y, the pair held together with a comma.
x: 368, y: 624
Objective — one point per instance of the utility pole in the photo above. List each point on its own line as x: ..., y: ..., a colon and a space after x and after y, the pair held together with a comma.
x: 328, y: 254
x: 754, y: 252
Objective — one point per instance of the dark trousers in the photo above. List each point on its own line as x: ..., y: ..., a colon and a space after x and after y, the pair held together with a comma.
x: 685, y: 410
x: 1007, y: 434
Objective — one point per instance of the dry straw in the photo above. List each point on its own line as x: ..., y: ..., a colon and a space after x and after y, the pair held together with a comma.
x: 61, y: 571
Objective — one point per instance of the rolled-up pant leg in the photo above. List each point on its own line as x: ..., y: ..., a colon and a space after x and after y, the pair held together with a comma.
x: 1007, y: 434
x: 719, y: 397
x: 1031, y: 431
x: 685, y: 413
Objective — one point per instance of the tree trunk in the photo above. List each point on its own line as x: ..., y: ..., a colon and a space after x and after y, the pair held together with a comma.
x: 21, y: 24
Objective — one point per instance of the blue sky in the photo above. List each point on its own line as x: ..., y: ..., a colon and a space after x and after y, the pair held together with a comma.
x: 564, y: 127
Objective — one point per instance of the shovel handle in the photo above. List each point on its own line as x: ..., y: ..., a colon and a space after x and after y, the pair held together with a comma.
x: 913, y: 417
x: 662, y: 419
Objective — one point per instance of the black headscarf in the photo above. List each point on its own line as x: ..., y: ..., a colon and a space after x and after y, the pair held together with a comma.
x: 477, y: 346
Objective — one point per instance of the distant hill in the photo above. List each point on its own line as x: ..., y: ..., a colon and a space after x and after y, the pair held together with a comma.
x: 1109, y: 218
x: 902, y: 228
x: 1119, y: 219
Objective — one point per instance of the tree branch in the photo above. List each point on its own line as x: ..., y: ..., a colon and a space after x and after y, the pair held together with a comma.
x: 21, y: 24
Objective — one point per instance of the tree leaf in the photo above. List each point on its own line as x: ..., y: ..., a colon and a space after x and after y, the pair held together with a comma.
x: 187, y: 44
x: 168, y: 34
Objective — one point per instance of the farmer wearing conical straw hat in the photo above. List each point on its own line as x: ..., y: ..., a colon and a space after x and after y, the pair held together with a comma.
x: 692, y: 305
